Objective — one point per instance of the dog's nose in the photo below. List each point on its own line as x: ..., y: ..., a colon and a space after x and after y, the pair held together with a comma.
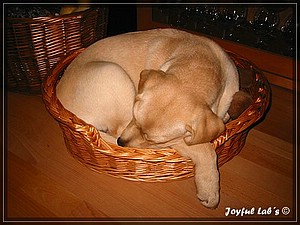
x: 120, y: 142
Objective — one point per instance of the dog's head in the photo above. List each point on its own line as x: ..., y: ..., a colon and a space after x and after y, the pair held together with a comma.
x: 163, y: 115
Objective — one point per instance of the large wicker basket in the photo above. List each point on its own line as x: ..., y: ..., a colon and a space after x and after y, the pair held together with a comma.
x: 34, y: 45
x: 86, y: 144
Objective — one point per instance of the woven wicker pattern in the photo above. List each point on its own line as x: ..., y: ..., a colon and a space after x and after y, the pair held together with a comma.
x: 35, y: 45
x: 85, y: 143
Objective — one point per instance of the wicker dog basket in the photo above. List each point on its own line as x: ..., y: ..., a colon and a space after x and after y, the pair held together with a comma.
x: 34, y: 45
x: 85, y: 143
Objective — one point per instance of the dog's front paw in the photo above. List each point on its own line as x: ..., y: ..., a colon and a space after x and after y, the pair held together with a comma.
x: 208, y: 187
x: 209, y: 200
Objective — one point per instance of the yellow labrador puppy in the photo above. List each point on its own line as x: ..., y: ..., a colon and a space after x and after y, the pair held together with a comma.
x: 101, y: 93
x: 185, y: 85
x: 183, y: 104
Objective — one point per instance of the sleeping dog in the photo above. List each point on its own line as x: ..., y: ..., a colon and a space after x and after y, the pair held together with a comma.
x: 184, y: 83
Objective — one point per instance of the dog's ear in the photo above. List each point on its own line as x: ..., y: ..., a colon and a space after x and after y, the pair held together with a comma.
x: 151, y: 77
x: 143, y: 77
x: 203, y: 127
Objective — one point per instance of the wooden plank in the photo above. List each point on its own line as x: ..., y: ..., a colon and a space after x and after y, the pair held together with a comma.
x: 280, y: 81
x: 44, y: 181
x: 267, y: 61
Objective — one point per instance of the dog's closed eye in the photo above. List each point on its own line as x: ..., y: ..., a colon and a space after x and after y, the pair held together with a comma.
x: 146, y: 137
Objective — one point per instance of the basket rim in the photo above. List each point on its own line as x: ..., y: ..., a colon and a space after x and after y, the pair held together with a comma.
x: 261, y: 102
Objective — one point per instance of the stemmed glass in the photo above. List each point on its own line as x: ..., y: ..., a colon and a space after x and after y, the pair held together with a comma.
x: 232, y: 18
x: 187, y: 19
x: 289, y: 32
x: 206, y: 17
x: 265, y: 21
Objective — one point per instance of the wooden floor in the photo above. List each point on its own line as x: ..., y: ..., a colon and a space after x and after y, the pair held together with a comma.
x: 44, y: 182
